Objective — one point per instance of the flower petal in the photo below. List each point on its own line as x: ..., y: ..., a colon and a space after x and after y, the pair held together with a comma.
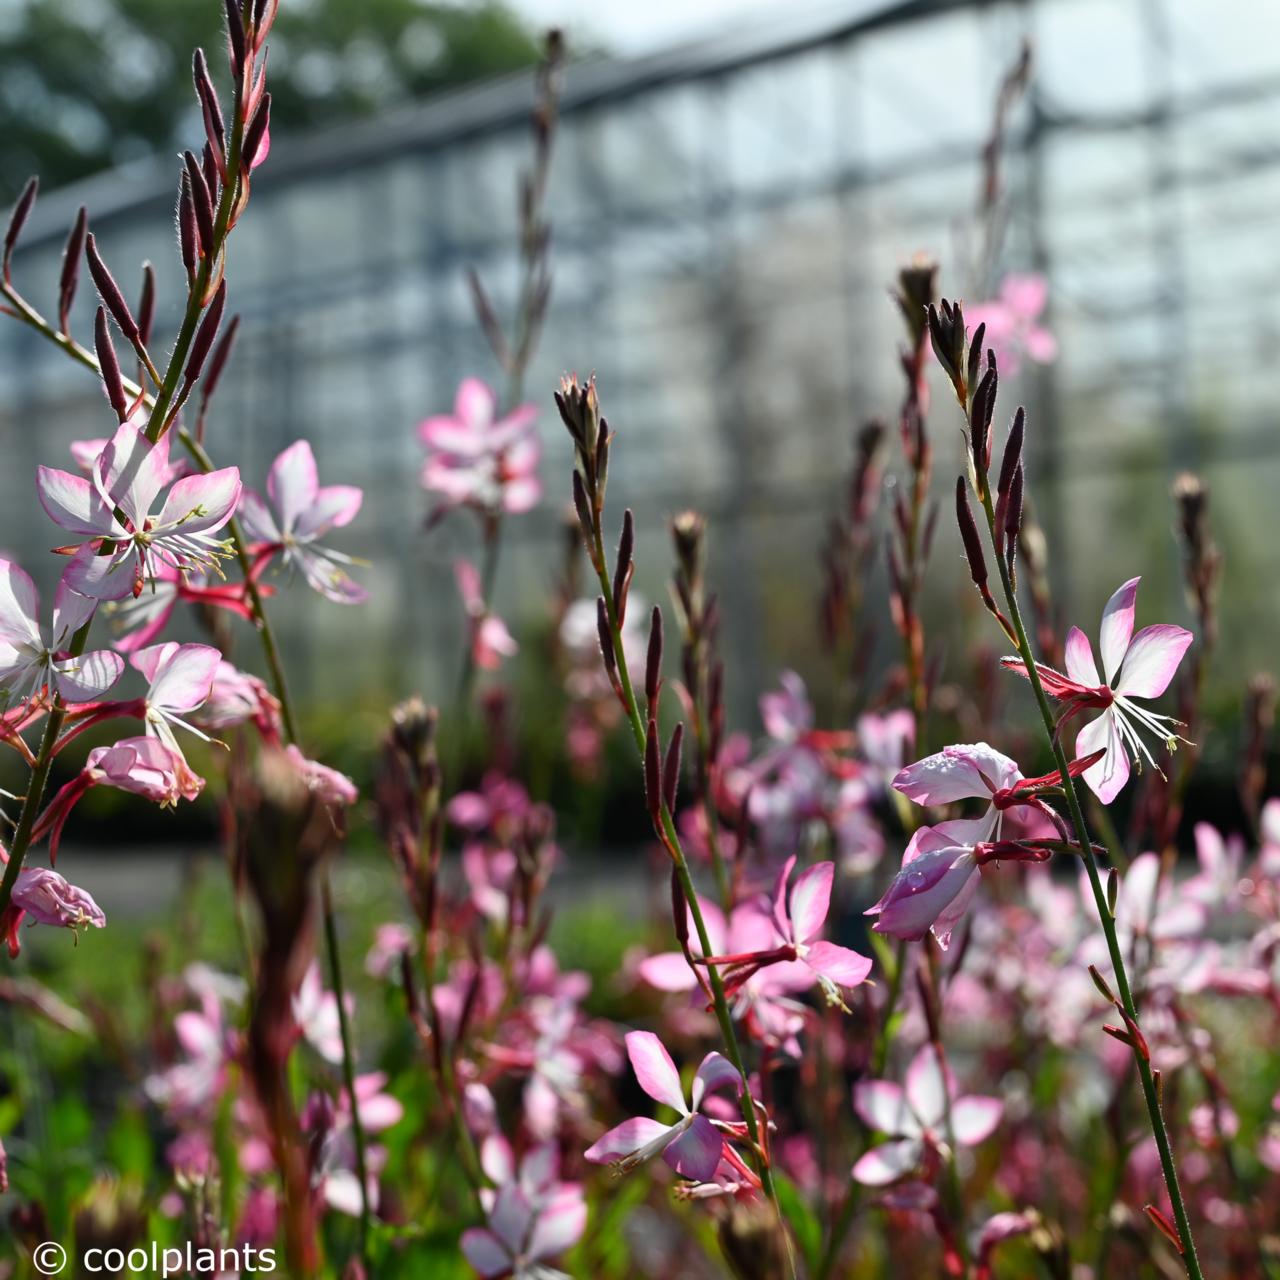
x: 475, y: 404
x: 88, y: 677
x: 715, y: 1073
x: 957, y: 772
x: 72, y: 503
x: 668, y: 971
x: 929, y: 1083
x: 560, y: 1224
x: 1117, y: 627
x: 846, y: 968
x: 181, y: 676
x: 696, y: 1152
x: 974, y: 1118
x: 1152, y: 658
x: 1106, y: 779
x: 625, y: 1139
x: 201, y: 503
x: 292, y: 483
x: 810, y: 901
x: 1080, y: 665
x: 130, y: 471
x: 19, y: 606
x: 655, y: 1072
x: 485, y: 1252
x: 259, y: 524
x: 336, y: 505
x: 881, y: 1105
x: 888, y: 1162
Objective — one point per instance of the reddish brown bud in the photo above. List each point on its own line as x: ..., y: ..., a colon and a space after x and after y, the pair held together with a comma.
x: 208, y: 96
x: 109, y: 364
x: 187, y: 225
x: 984, y: 403
x: 969, y: 535
x: 671, y: 768
x: 679, y: 911
x: 623, y: 567
x: 653, y: 660
x: 201, y: 201
x: 109, y: 291
x: 17, y: 218
x: 1012, y: 458
x: 71, y: 268
x: 220, y: 355
x: 1164, y: 1226
x: 605, y: 636
x: 205, y: 334
x: 235, y: 37
x: 147, y: 303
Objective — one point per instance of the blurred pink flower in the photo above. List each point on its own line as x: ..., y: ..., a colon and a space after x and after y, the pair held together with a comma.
x: 490, y: 639
x: 915, y: 1118
x: 304, y: 511
x: 128, y: 476
x: 520, y: 1237
x: 1012, y: 331
x: 333, y: 787
x: 236, y: 697
x: 478, y: 460
x: 692, y: 1146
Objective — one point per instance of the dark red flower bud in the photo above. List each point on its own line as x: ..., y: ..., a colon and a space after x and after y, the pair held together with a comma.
x: 201, y: 201
x: 653, y: 660
x: 109, y: 364
x: 214, y: 127
x: 71, y: 268
x: 187, y: 225
x: 202, y: 343
x: 147, y: 303
x: 235, y: 36
x: 671, y: 768
x: 623, y: 567
x: 969, y: 535
x: 17, y: 218
x: 256, y: 131
x: 109, y: 291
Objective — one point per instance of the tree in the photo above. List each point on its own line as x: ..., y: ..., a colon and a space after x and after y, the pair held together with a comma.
x: 89, y: 85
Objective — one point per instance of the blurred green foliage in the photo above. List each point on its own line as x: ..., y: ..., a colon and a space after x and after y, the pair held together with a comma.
x: 88, y: 84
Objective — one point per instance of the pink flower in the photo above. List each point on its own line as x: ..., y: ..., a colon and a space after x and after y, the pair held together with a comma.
x: 477, y: 460
x: 915, y: 1118
x: 48, y: 899
x: 316, y: 1012
x: 128, y: 476
x: 31, y: 658
x: 521, y: 1236
x: 1011, y: 322
x: 390, y: 942
x: 490, y: 639
x: 1136, y: 666
x: 181, y: 677
x: 692, y: 1146
x: 236, y: 697
x: 334, y: 788
x: 304, y: 512
x: 190, y: 1089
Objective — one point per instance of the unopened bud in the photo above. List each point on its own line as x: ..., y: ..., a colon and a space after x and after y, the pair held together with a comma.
x: 71, y: 267
x: 671, y: 769
x: 109, y: 291
x: 109, y: 365
x: 17, y: 218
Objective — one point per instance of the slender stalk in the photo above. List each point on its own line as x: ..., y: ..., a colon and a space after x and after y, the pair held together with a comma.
x: 35, y: 786
x: 1071, y: 790
x: 723, y: 1016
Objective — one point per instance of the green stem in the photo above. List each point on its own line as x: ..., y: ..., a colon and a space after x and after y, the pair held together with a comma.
x: 348, y: 1065
x: 1145, y: 1075
x: 36, y: 785
x: 672, y: 838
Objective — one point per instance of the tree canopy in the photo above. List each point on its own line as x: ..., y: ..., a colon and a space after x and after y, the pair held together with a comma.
x: 87, y: 84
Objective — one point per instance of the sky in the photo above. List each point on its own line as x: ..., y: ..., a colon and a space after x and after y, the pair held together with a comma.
x: 640, y: 26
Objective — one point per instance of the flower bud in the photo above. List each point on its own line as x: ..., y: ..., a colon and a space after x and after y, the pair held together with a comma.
x: 671, y: 768
x: 109, y: 365
x: 71, y: 268
x: 109, y: 291
x: 17, y: 218
x: 969, y: 536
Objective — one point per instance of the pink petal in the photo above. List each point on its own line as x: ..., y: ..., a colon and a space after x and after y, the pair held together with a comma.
x: 669, y: 971
x: 214, y: 496
x: 928, y: 1086
x: 131, y: 471
x: 696, y: 1152
x: 468, y: 579
x: 88, y: 677
x: 19, y: 605
x: 71, y: 611
x: 1105, y: 779
x: 559, y: 1226
x: 336, y: 505
x: 181, y: 675
x: 1024, y: 294
x: 1080, y: 664
x: 715, y: 1073
x: 844, y: 967
x: 1152, y: 658
x: 1040, y: 345
x: 625, y: 1140
x: 888, y: 1162
x: 810, y: 901
x: 973, y: 1119
x: 510, y: 1217
x: 923, y: 889
x: 519, y: 496
x: 953, y: 912
x: 107, y: 577
x: 72, y: 503
x: 263, y: 149
x: 259, y: 524
x: 475, y: 404
x: 655, y: 1072
x: 955, y: 773
x: 485, y: 1252
x: 1117, y: 627
x: 330, y: 580
x: 292, y: 483
x: 882, y: 1106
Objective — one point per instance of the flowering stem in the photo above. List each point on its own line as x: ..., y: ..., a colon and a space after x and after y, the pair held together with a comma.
x: 348, y: 1065
x: 672, y: 840
x: 1071, y: 789
x: 36, y: 784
